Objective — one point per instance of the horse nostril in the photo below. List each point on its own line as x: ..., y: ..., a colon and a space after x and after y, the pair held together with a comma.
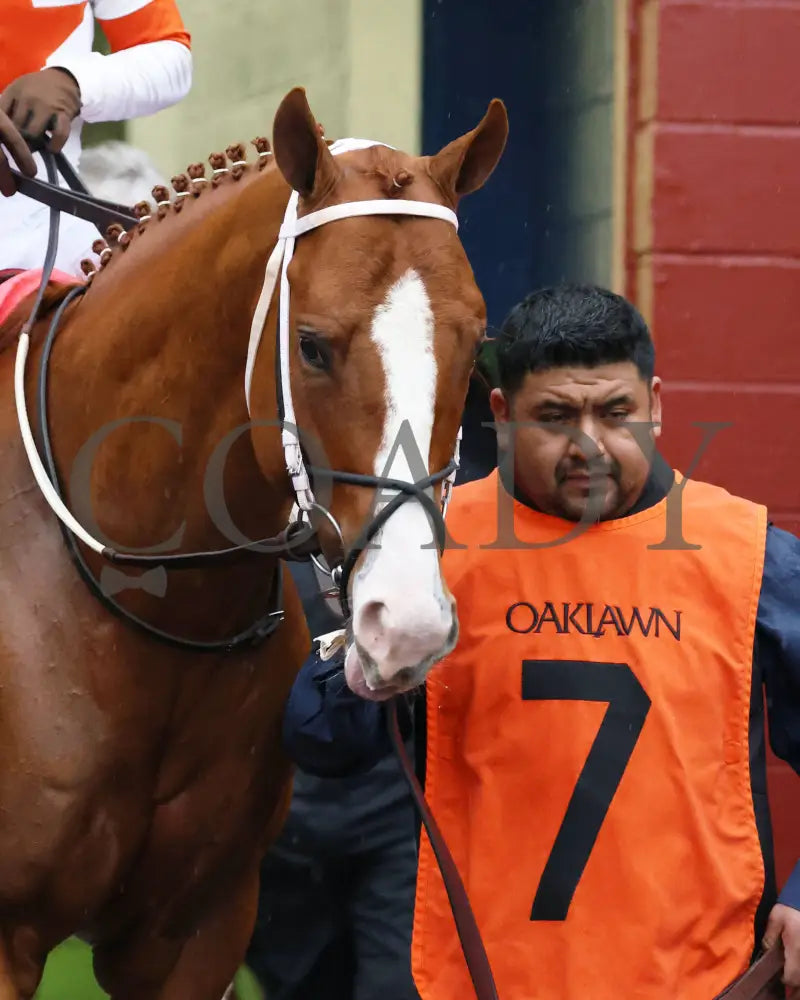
x: 374, y: 628
x: 406, y: 677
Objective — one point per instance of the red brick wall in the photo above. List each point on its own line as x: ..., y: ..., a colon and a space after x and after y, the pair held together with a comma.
x: 713, y: 254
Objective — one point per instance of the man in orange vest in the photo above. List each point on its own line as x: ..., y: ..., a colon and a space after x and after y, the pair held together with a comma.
x: 595, y: 742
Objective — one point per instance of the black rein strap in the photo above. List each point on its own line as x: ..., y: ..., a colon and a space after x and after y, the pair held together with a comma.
x: 73, y: 201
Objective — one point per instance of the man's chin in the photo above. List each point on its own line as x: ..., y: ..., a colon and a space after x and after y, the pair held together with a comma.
x: 590, y: 505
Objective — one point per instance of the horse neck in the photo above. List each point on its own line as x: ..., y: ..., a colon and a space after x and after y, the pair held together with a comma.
x: 157, y: 349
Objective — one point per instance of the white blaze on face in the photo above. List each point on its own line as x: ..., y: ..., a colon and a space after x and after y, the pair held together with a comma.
x: 403, y: 618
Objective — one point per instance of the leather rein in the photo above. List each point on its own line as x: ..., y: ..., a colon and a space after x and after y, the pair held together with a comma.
x: 761, y: 981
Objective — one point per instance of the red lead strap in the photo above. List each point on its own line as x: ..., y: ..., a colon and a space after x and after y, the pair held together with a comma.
x: 761, y: 981
x: 468, y: 934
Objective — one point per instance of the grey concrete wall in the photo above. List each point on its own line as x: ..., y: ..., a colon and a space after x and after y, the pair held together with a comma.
x: 580, y: 107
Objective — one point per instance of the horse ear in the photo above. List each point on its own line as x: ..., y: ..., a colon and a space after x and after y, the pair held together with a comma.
x: 300, y: 151
x: 465, y: 164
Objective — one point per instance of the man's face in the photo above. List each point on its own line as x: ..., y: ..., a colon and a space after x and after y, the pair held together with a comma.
x: 583, y: 441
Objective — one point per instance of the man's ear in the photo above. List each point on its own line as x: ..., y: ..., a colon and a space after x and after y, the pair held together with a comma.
x: 501, y: 410
x: 500, y: 406
x: 465, y: 164
x: 655, y: 405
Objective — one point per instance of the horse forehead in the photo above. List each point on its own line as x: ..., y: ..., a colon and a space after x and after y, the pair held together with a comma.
x: 376, y: 254
x: 367, y: 173
x: 359, y: 259
x: 376, y: 159
x: 355, y: 285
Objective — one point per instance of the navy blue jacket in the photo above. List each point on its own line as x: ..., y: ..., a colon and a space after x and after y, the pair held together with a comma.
x: 331, y: 732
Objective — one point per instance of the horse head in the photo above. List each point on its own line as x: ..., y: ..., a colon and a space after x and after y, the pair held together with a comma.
x: 383, y: 325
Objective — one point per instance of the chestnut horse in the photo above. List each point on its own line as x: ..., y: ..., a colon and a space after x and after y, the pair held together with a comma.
x: 141, y: 782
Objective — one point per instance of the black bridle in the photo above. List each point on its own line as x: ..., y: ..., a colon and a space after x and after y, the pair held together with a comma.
x: 342, y: 570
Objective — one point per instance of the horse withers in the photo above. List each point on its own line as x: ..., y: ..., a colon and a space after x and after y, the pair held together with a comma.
x: 141, y: 780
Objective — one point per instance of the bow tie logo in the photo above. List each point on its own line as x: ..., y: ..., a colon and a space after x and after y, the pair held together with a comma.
x: 152, y: 581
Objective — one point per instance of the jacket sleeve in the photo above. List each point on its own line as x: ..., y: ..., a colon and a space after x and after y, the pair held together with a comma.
x: 327, y: 730
x: 778, y: 654
x: 790, y: 894
x: 149, y: 67
x: 778, y: 642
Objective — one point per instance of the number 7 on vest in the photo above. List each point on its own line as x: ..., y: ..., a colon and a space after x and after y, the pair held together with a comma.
x: 628, y: 705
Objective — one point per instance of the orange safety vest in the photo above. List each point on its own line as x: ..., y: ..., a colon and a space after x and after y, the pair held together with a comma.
x: 588, y: 757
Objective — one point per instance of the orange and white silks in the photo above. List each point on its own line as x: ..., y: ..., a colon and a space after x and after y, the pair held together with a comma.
x: 588, y: 756
x: 32, y: 32
x: 148, y: 68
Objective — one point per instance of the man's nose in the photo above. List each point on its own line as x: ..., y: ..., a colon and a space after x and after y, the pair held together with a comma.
x: 586, y: 441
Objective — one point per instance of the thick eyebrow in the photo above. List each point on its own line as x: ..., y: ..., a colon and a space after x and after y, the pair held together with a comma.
x: 562, y: 407
x: 555, y: 404
x: 623, y: 399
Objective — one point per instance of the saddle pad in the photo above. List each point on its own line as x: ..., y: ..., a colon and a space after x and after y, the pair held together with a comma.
x: 14, y: 290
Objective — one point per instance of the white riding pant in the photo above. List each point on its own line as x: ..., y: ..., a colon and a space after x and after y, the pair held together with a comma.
x: 24, y: 243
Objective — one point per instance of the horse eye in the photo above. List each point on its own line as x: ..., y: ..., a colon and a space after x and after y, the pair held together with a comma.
x: 313, y: 353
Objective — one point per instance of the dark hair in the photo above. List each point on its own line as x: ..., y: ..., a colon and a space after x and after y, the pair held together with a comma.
x: 580, y: 325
